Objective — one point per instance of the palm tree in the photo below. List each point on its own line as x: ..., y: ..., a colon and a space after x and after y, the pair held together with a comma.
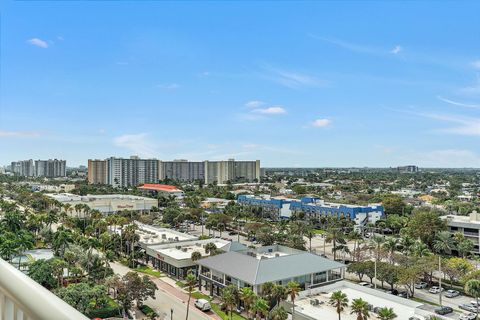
x: 228, y: 298
x: 293, y: 289
x: 279, y: 293
x: 211, y: 248
x: 340, y: 301
x: 386, y: 314
x: 472, y: 287
x: 259, y: 308
x: 391, y: 245
x: 360, y: 308
x: 247, y: 296
x: 267, y: 291
x: 406, y: 244
x: 334, y: 235
x: 442, y: 244
x: 278, y: 313
x: 190, y: 281
x: 355, y: 236
x: 196, y: 256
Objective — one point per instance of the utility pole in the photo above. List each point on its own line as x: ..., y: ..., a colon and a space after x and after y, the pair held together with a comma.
x: 440, y: 280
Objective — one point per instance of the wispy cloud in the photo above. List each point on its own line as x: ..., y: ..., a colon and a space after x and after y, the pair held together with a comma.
x: 447, y: 158
x: 473, y: 89
x: 254, y: 104
x: 359, y: 48
x: 19, y: 134
x: 38, y: 43
x: 396, y: 50
x: 270, y: 110
x: 469, y: 126
x: 293, y: 79
x: 321, y: 123
x: 139, y: 144
x: 169, y: 86
x: 459, y: 104
x: 476, y: 64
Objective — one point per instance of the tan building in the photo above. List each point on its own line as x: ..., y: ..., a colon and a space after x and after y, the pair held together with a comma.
x: 97, y: 171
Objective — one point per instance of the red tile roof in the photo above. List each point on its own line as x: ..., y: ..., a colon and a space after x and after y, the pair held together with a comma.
x: 159, y: 187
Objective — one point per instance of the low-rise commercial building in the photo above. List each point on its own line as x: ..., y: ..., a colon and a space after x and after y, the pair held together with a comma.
x: 106, y: 204
x: 469, y: 226
x: 152, y: 235
x: 281, y: 207
x: 277, y: 264
x: 163, y: 189
x: 175, y: 259
x: 314, y: 304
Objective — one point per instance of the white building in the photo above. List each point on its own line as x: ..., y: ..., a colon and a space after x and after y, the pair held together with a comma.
x: 469, y: 226
x: 108, y: 203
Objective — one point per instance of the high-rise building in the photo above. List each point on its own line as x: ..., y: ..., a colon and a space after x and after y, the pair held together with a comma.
x: 182, y: 170
x: 23, y: 168
x: 50, y: 168
x: 123, y: 172
x: 134, y: 171
x: 40, y: 168
x: 407, y: 169
x: 97, y: 171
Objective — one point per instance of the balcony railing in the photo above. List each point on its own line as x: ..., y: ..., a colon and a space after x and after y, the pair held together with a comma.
x: 21, y: 298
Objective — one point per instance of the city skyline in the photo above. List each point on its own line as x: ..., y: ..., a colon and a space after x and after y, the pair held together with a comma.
x: 304, y: 85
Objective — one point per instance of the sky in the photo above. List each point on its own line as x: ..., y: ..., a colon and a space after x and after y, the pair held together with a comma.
x: 294, y: 84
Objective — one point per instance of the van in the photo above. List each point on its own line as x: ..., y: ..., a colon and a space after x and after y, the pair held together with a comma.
x: 203, y: 305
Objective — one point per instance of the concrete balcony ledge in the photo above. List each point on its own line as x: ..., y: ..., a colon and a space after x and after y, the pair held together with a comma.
x: 21, y: 298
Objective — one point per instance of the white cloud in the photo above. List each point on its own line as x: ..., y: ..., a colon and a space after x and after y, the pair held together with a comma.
x: 466, y: 125
x: 270, y: 110
x: 320, y: 123
x: 293, y: 79
x: 396, y: 50
x: 139, y: 144
x: 476, y: 64
x: 460, y: 104
x: 38, y: 42
x: 19, y: 134
x: 254, y: 104
x: 448, y: 158
x: 169, y: 86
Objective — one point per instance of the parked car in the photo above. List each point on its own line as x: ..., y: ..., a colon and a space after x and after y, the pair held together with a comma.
x: 435, y: 289
x: 468, y: 307
x: 365, y: 284
x: 414, y: 318
x: 420, y: 285
x: 452, y: 293
x: 203, y: 305
x: 394, y: 292
x: 443, y: 310
x: 403, y: 295
x: 468, y: 316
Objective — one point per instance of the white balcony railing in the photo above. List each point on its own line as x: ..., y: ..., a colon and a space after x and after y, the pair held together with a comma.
x: 21, y: 298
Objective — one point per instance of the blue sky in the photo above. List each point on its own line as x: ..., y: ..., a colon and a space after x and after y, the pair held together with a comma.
x: 345, y: 83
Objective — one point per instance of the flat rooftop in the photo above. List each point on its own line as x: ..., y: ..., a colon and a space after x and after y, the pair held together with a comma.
x: 156, y: 235
x: 184, y: 250
x: 70, y: 197
x: 473, y: 218
x: 404, y: 308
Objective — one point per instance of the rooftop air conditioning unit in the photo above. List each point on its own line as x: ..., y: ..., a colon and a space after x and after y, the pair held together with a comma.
x: 277, y: 255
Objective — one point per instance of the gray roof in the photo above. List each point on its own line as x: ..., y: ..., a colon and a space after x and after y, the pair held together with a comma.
x: 234, y: 246
x: 257, y: 271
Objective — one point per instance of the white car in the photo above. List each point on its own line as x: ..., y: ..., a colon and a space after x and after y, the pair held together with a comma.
x: 203, y: 305
x: 435, y: 289
x: 365, y: 284
x: 420, y: 285
x: 468, y: 316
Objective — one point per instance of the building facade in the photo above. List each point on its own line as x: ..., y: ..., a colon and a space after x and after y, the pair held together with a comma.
x: 277, y: 264
x: 133, y: 171
x: 97, y: 171
x: 182, y: 170
x: 24, y: 168
x: 125, y: 172
x: 51, y: 168
x: 469, y: 226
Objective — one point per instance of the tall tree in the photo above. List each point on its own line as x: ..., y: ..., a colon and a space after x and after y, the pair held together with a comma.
x: 339, y: 301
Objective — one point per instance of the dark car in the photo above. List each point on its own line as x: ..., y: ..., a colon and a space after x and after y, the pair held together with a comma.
x: 443, y: 310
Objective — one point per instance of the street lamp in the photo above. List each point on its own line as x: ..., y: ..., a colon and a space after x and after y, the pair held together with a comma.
x: 171, y: 314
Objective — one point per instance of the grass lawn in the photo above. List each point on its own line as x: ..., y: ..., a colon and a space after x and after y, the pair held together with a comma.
x: 149, y: 271
x: 216, y: 307
x: 320, y: 232
x: 180, y: 284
